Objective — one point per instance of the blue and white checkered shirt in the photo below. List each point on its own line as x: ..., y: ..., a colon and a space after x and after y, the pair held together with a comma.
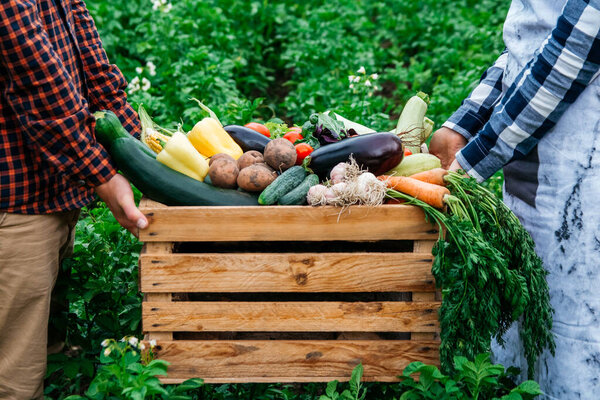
x: 502, y: 128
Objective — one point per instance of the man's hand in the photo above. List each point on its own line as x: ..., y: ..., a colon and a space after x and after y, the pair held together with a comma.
x: 118, y: 196
x: 455, y: 166
x: 444, y: 145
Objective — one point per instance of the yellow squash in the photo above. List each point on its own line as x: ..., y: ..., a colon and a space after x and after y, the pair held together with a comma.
x: 179, y: 154
x: 209, y: 138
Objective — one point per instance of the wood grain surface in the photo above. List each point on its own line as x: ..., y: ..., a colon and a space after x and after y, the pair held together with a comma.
x: 305, y: 316
x: 294, y: 272
x: 292, y: 361
x: 284, y: 223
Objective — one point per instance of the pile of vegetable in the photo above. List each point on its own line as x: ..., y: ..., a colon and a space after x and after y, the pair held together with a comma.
x: 485, y: 261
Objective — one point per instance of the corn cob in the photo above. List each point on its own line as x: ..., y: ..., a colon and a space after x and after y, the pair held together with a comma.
x: 155, y: 140
x: 151, y: 137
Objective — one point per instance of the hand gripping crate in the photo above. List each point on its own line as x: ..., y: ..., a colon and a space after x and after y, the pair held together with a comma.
x: 288, y: 294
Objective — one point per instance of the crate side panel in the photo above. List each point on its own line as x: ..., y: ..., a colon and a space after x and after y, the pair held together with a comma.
x: 290, y: 316
x: 286, y: 223
x: 292, y: 361
x: 295, y: 272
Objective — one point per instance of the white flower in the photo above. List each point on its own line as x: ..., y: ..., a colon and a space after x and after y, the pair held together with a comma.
x: 368, y: 83
x: 168, y: 8
x: 139, y: 70
x: 142, y: 346
x: 352, y: 86
x: 146, y: 84
x: 107, y: 352
x: 375, y: 77
x: 151, y: 68
x: 362, y: 70
x: 351, y: 78
x: 124, y: 338
x: 152, y: 343
x: 133, y: 341
x: 163, y: 2
x: 356, y: 79
x: 105, y: 343
x: 134, y: 86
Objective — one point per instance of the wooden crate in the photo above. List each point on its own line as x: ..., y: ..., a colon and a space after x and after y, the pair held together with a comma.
x: 288, y: 294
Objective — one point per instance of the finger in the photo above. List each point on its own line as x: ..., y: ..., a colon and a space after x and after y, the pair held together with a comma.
x: 134, y: 216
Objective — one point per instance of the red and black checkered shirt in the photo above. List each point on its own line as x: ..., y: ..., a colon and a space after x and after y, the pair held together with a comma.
x: 54, y: 74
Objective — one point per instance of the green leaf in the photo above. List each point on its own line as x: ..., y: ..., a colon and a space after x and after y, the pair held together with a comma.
x: 357, y: 373
x: 330, y: 390
x: 529, y: 387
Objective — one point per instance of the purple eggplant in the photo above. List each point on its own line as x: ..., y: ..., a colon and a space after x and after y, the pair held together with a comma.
x: 376, y: 152
x: 248, y: 139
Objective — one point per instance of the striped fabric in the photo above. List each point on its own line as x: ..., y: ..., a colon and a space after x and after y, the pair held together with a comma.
x: 476, y: 109
x: 567, y: 62
x: 53, y: 75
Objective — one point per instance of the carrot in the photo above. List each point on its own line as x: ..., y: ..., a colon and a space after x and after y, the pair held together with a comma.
x: 435, y: 176
x: 427, y: 192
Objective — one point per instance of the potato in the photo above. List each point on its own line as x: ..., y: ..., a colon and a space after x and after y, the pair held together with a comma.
x: 220, y: 156
x: 249, y: 158
x: 256, y: 178
x: 280, y: 154
x: 223, y: 173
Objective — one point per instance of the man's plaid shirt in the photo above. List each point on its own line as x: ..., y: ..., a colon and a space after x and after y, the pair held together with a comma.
x: 506, y: 127
x: 54, y: 74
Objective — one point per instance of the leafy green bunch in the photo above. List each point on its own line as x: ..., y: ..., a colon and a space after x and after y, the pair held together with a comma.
x: 523, y: 290
x: 489, y: 273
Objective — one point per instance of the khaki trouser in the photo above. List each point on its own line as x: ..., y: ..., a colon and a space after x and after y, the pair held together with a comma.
x: 31, y: 249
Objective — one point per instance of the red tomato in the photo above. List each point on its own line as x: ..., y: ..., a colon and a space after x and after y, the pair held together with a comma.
x: 407, y: 152
x: 258, y: 128
x: 293, y: 137
x: 302, y: 151
x: 295, y: 129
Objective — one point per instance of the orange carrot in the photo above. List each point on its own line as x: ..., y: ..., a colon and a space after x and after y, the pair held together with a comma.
x: 426, y: 192
x: 435, y: 176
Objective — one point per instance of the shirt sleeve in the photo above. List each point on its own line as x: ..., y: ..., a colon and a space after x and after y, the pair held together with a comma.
x: 40, y: 92
x: 476, y: 109
x: 567, y: 62
x: 105, y: 82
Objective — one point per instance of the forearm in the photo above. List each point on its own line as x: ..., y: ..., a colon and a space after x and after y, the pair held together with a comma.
x: 542, y: 92
x: 106, y: 84
x: 476, y: 109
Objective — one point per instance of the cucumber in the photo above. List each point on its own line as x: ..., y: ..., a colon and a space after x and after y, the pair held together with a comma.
x: 284, y: 183
x: 159, y: 182
x: 298, y: 196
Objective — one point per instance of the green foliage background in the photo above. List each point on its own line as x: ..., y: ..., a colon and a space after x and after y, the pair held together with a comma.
x: 255, y: 60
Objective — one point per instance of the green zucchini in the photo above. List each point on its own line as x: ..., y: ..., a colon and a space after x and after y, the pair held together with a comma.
x: 284, y: 183
x: 109, y: 128
x: 159, y: 182
x: 298, y: 196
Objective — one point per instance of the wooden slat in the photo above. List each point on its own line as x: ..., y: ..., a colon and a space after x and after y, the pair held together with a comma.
x: 297, y: 272
x: 290, y: 316
x: 423, y: 246
x: 292, y: 361
x: 157, y: 298
x: 283, y: 223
